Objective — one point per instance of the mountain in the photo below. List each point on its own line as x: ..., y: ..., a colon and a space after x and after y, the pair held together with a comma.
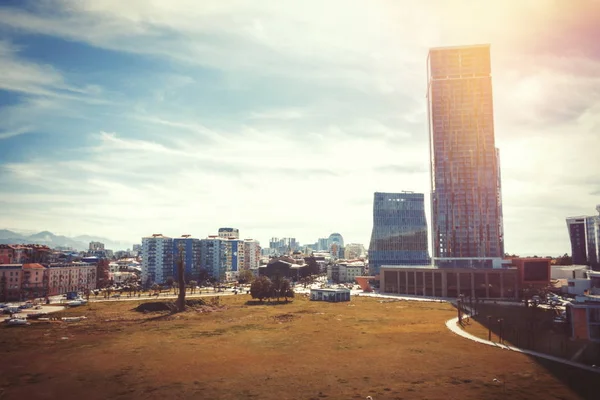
x: 6, y: 234
x: 108, y: 243
x: 52, y: 240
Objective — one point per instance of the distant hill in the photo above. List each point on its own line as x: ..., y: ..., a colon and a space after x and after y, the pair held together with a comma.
x: 52, y: 240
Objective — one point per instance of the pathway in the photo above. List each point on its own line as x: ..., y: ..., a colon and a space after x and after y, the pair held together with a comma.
x: 452, y: 324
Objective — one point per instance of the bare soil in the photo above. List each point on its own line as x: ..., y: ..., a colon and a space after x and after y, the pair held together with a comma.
x: 300, y: 350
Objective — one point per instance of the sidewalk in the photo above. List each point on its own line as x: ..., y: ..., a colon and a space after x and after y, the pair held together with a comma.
x: 452, y: 324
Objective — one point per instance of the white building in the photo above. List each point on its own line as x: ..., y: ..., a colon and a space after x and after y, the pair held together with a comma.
x: 345, y: 272
x: 96, y: 246
x: 157, y: 259
x: 212, y: 257
x: 251, y: 254
x: 353, y: 251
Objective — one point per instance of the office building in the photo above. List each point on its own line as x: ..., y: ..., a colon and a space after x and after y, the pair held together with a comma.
x: 399, y: 235
x: 191, y: 257
x: 584, y: 235
x: 157, y: 259
x: 465, y: 174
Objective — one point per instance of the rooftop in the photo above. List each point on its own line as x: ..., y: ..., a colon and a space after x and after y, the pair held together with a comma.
x: 469, y: 46
x: 33, y: 266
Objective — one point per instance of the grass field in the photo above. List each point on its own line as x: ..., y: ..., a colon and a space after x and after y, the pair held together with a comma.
x: 300, y: 350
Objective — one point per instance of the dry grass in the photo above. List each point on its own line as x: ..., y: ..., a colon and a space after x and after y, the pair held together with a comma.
x: 301, y: 350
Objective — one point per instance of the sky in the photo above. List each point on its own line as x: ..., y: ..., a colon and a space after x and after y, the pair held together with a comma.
x: 127, y: 118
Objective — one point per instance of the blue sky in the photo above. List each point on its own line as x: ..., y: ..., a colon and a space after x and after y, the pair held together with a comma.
x: 124, y: 119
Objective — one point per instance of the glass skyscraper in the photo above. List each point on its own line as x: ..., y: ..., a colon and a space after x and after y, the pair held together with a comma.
x: 465, y: 170
x: 399, y: 234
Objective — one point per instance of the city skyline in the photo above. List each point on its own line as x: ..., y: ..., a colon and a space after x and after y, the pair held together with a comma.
x: 123, y: 121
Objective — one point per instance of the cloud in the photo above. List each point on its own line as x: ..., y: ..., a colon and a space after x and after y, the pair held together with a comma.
x: 285, y: 120
x: 16, y: 132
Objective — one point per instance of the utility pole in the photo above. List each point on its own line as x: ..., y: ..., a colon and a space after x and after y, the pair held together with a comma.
x: 181, y: 280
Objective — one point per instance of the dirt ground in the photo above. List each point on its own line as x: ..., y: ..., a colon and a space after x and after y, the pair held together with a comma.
x: 300, y: 350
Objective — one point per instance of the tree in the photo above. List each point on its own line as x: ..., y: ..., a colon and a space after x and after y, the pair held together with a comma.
x: 193, y: 285
x: 170, y: 283
x: 313, y: 266
x: 285, y: 289
x: 246, y: 276
x: 155, y: 288
x: 181, y: 279
x: 564, y: 260
x: 261, y: 288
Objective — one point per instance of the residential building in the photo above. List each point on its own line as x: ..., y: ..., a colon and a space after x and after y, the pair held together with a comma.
x: 24, y: 253
x: 136, y: 249
x: 354, y: 251
x: 71, y: 277
x: 121, y: 277
x: 234, y: 258
x: 96, y: 246
x: 191, y: 257
x: 399, y: 235
x: 7, y: 254
x: 212, y: 257
x: 345, y: 272
x: 10, y: 282
x: 251, y: 254
x: 35, y: 281
x: 157, y: 259
x: 465, y: 170
x: 229, y: 233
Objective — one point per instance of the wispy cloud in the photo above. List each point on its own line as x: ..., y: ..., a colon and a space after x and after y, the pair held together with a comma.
x: 254, y: 114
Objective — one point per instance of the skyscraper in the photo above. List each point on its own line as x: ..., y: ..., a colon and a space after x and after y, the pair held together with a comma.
x: 465, y: 176
x: 399, y: 234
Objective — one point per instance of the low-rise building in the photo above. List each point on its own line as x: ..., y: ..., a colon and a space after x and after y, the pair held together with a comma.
x: 330, y: 294
x: 71, y: 277
x: 344, y: 272
x: 35, y: 281
x: 584, y: 317
x: 10, y: 282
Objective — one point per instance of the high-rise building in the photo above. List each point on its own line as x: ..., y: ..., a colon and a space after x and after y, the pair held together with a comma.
x: 96, y: 246
x: 353, y: 251
x: 465, y: 176
x: 191, y: 257
x: 323, y: 244
x: 212, y: 256
x: 157, y: 259
x: 251, y: 254
x: 399, y: 234
x: 229, y: 233
x: 584, y: 235
x: 234, y: 257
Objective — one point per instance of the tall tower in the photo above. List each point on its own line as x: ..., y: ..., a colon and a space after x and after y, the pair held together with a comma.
x: 399, y: 235
x: 465, y: 176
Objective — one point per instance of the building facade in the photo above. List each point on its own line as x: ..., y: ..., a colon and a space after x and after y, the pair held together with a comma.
x: 399, y: 235
x: 212, y: 257
x: 157, y: 259
x: 234, y: 258
x: 584, y: 235
x: 251, y: 254
x: 191, y: 257
x: 465, y: 178
x: 354, y: 251
x: 229, y: 233
x: 71, y: 277
x: 10, y: 282
x: 96, y: 246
